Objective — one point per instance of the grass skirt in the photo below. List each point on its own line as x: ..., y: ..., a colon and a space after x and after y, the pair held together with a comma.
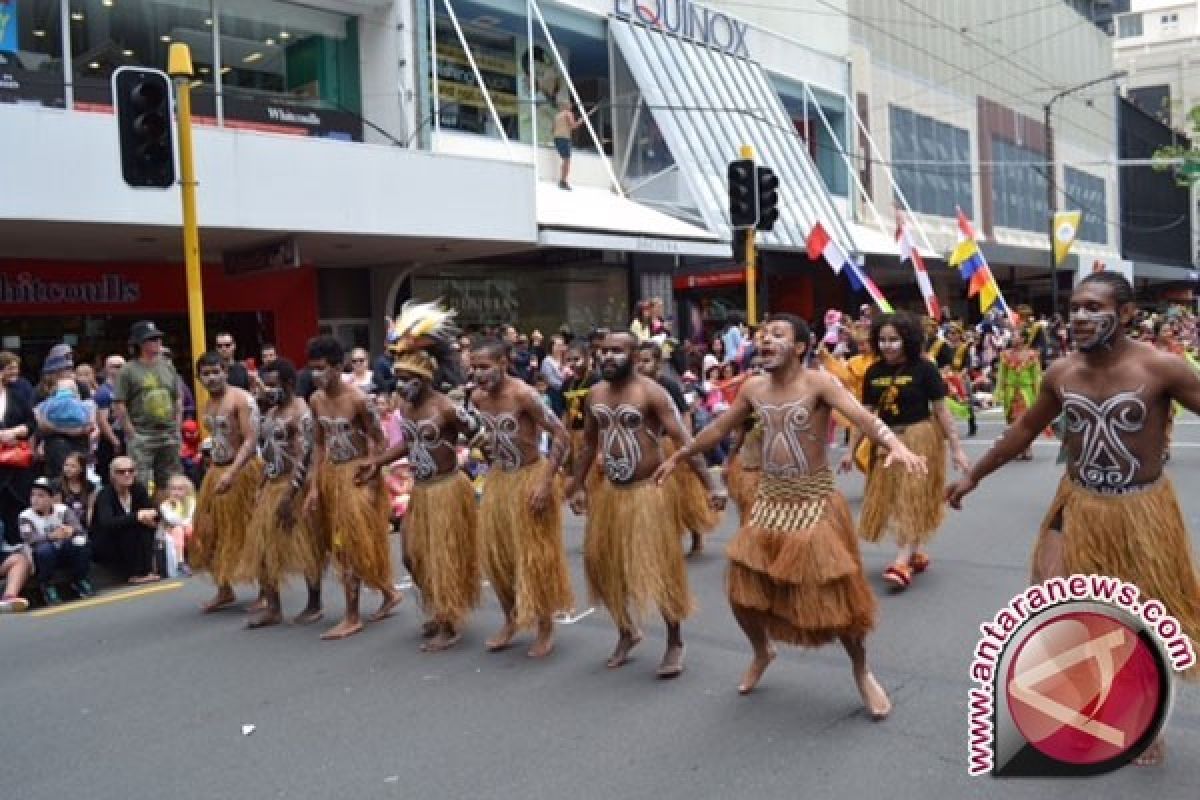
x: 742, y: 483
x: 221, y: 521
x: 632, y: 555
x: 272, y: 553
x: 795, y: 566
x: 441, y: 547
x: 523, y: 553
x: 1139, y: 537
x: 910, y: 505
x: 357, y: 519
x: 690, y: 496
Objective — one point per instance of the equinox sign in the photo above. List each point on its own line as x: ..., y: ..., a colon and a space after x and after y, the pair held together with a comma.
x: 688, y: 20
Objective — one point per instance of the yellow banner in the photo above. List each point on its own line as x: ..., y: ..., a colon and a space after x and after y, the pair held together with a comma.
x: 1066, y: 228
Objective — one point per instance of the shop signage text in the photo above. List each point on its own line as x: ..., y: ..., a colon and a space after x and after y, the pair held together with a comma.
x: 269, y: 257
x: 689, y: 21
x: 109, y: 289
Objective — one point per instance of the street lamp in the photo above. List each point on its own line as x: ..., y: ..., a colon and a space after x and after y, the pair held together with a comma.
x: 1050, y: 187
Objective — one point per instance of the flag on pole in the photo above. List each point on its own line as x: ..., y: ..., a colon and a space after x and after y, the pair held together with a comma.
x: 974, y: 268
x: 910, y: 253
x: 1066, y: 228
x: 821, y: 245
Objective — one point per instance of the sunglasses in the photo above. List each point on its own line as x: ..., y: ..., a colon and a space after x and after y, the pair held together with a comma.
x: 125, y: 471
x: 358, y: 360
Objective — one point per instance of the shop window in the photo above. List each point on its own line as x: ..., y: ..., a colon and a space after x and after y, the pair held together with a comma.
x: 496, y: 31
x: 819, y: 139
x: 1087, y: 193
x: 1018, y: 187
x: 931, y: 162
x: 31, y: 66
x: 1129, y: 25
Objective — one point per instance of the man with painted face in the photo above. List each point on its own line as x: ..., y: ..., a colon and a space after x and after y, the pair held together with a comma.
x: 441, y: 527
x: 689, y: 493
x: 355, y: 514
x: 795, y: 573
x: 1115, y: 512
x: 632, y: 553
x: 280, y: 539
x: 520, y: 517
x: 581, y: 378
x: 227, y: 494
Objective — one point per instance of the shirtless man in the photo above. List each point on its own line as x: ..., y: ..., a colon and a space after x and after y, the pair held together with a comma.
x: 227, y: 494
x: 356, y: 515
x: 282, y: 540
x: 632, y: 553
x: 795, y: 573
x: 565, y: 124
x: 520, y: 518
x: 441, y: 539
x: 1115, y: 395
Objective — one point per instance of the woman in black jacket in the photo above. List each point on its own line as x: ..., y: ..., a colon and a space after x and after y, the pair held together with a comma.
x: 17, y: 424
x: 123, y: 524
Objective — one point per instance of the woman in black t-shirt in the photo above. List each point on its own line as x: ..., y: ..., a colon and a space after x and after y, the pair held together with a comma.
x: 906, y: 390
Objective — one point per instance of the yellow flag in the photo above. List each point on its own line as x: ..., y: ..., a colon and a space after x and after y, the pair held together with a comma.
x: 1066, y: 228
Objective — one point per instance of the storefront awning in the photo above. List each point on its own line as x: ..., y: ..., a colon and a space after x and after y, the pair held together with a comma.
x: 598, y: 219
x: 707, y: 104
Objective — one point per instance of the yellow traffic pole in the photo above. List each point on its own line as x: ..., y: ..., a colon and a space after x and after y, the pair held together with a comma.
x: 179, y: 67
x: 751, y: 262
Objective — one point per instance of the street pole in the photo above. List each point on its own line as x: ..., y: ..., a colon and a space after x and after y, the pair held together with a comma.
x: 751, y: 262
x: 179, y: 67
x: 1050, y: 204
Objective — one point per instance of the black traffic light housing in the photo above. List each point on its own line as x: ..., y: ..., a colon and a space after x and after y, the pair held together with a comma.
x: 743, y: 194
x: 767, y: 191
x: 142, y: 98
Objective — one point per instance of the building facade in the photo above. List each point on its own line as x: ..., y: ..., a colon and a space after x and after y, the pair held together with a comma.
x: 1158, y: 44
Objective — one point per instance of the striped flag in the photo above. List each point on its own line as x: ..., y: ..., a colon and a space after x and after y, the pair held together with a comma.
x: 910, y: 253
x: 974, y: 268
x: 822, y: 245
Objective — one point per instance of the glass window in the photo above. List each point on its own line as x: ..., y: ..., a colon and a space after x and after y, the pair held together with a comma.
x: 31, y: 67
x: 496, y: 31
x: 931, y: 162
x: 822, y: 144
x: 1086, y: 192
x: 1018, y: 187
x: 1129, y: 25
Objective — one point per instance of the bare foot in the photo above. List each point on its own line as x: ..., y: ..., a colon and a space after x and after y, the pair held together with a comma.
x: 308, y: 616
x: 259, y: 604
x: 265, y: 619
x: 429, y: 629
x: 391, y: 599
x: 874, y: 698
x: 672, y: 663
x: 544, y: 644
x: 503, y: 638
x: 627, y: 641
x: 222, y: 599
x: 347, y: 627
x: 1154, y: 755
x: 754, y: 672
x: 443, y: 640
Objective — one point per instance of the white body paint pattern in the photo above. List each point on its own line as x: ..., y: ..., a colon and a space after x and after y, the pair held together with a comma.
x: 422, y: 436
x: 222, y: 449
x: 619, y: 430
x: 783, y: 427
x: 273, y: 439
x: 502, y: 432
x: 1104, y: 460
x: 339, y: 440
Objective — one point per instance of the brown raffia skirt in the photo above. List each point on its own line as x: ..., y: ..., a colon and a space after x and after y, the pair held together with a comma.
x: 795, y: 565
x: 219, y: 528
x: 632, y: 555
x: 1139, y: 537
x: 742, y: 483
x: 690, y: 496
x: 909, y: 505
x: 523, y: 553
x: 357, y: 520
x: 273, y: 553
x: 441, y: 546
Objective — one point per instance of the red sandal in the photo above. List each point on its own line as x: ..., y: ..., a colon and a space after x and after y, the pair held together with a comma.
x: 919, y: 563
x: 899, y: 575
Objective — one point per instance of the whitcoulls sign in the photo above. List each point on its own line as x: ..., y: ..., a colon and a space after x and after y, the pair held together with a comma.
x: 688, y: 20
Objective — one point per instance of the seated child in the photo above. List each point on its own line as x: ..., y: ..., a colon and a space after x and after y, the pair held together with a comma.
x: 176, y: 515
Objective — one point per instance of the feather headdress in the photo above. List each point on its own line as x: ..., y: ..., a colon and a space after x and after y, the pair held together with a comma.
x: 419, y: 327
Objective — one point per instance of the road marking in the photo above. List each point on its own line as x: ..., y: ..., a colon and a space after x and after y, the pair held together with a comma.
x: 92, y: 602
x: 565, y: 618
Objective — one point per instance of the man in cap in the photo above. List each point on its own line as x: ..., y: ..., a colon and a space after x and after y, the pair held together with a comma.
x: 148, y: 403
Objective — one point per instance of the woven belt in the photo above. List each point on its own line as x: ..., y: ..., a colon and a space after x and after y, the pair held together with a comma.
x: 791, y: 504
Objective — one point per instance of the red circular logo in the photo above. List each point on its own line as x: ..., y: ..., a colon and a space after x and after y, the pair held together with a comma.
x: 1084, y: 688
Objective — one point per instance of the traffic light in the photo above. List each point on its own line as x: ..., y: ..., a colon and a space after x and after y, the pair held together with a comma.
x: 143, y: 102
x: 743, y: 208
x: 768, y: 198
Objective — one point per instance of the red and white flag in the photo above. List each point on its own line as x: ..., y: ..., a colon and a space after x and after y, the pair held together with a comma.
x: 910, y: 253
x: 820, y: 245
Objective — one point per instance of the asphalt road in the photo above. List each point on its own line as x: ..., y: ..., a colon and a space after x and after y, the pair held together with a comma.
x: 144, y: 697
